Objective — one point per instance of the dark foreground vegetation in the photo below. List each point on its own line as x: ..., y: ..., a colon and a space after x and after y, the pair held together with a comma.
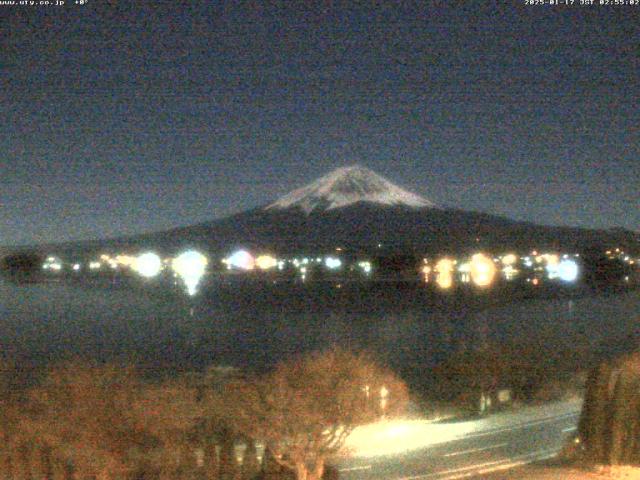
x: 79, y: 421
x: 610, y: 423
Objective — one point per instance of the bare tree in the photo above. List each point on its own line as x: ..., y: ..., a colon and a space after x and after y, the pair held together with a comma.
x: 305, y: 409
x: 169, y: 412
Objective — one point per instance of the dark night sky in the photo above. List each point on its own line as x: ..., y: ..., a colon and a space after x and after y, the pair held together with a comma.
x: 123, y: 119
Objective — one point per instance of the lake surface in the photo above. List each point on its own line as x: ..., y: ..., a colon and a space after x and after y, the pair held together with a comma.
x: 247, y: 326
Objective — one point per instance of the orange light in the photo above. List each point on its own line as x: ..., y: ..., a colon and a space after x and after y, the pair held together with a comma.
x: 483, y: 270
x: 444, y: 270
x: 266, y: 262
x: 426, y: 270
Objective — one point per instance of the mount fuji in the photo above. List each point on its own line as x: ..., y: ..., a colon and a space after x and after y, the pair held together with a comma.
x: 347, y: 186
x: 357, y: 209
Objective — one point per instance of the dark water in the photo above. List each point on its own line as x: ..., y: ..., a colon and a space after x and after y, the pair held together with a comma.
x: 246, y: 326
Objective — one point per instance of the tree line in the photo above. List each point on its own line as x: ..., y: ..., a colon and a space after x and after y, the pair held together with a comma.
x: 80, y: 421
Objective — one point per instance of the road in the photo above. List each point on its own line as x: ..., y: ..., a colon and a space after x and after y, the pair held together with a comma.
x: 438, y: 451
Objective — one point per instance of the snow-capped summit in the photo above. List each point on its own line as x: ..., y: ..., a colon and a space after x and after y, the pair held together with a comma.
x: 345, y: 186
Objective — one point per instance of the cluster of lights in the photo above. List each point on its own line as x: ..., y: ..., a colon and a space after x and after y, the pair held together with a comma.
x: 52, y: 263
x: 365, y: 266
x: 243, y: 260
x: 620, y: 254
x: 190, y: 266
x: 482, y: 269
x: 332, y: 263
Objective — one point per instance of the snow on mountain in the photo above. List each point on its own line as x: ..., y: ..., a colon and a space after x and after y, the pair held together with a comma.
x: 346, y: 186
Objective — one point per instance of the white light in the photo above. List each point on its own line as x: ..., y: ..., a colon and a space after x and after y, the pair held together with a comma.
x: 242, y: 260
x: 332, y: 262
x: 365, y: 266
x: 94, y: 265
x: 568, y: 270
x: 190, y: 266
x: 76, y: 267
x: 509, y: 272
x: 147, y: 265
x: 52, y: 263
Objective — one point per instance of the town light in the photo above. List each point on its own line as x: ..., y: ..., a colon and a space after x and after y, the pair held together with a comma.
x: 568, y: 270
x: 509, y: 259
x: 465, y: 272
x: 128, y: 260
x: 266, y: 262
x: 332, y: 263
x: 242, y: 260
x: 444, y: 273
x: 509, y: 272
x: 147, y: 265
x: 426, y: 271
x: 190, y: 266
x: 365, y: 266
x: 483, y: 270
x: 52, y: 263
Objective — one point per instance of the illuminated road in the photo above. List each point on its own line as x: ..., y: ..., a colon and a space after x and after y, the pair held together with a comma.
x: 460, y: 450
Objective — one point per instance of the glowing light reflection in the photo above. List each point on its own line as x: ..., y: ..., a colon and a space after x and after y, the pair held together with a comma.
x: 190, y: 266
x: 444, y: 273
